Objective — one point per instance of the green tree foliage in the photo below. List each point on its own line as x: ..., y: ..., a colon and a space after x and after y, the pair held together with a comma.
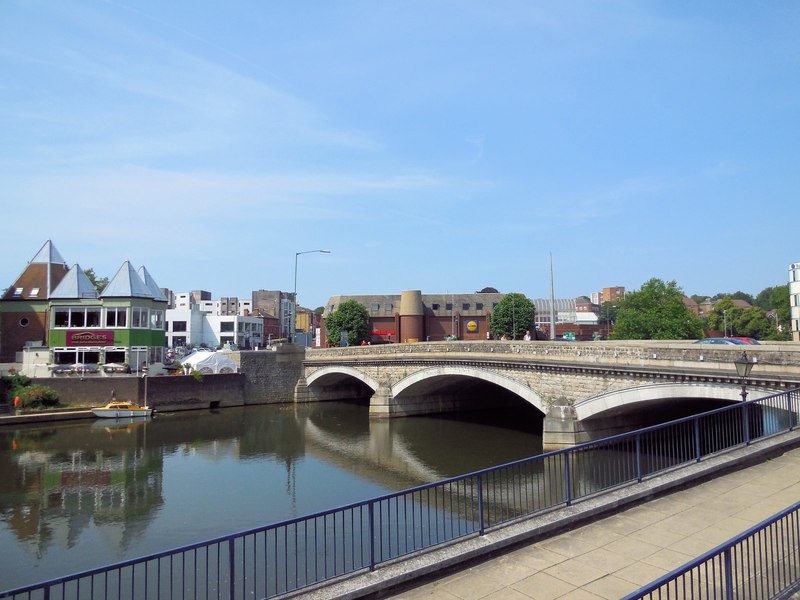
x: 608, y: 312
x: 349, y: 316
x: 656, y: 312
x: 98, y: 282
x: 513, y: 316
x: 742, y: 321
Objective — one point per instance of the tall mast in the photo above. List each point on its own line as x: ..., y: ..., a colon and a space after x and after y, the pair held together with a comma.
x: 552, y: 302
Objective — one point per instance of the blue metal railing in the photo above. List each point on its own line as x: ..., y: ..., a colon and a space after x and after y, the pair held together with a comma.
x: 277, y: 559
x: 763, y: 562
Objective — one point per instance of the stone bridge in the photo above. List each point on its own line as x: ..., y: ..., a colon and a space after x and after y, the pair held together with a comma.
x: 583, y: 390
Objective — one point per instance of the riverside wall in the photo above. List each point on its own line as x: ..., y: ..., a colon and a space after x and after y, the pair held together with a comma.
x: 264, y: 377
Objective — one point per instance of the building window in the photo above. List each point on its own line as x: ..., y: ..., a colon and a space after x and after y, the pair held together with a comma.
x: 179, y: 340
x: 139, y: 317
x: 448, y: 306
x: 376, y: 307
x: 479, y: 306
x: 435, y: 306
x: 465, y: 306
x: 77, y: 316
x: 226, y: 326
x: 93, y: 317
x: 35, y: 292
x: 388, y: 308
x: 179, y: 326
x: 17, y: 292
x: 23, y: 322
x: 116, y: 317
x: 157, y: 319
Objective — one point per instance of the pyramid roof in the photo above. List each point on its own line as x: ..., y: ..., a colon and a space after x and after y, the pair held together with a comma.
x: 41, y: 275
x: 75, y: 285
x: 151, y: 284
x: 48, y: 254
x: 126, y: 284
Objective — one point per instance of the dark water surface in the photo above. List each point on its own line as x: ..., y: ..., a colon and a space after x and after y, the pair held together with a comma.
x: 74, y: 496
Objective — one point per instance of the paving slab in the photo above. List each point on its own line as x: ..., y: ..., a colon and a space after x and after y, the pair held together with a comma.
x: 614, y: 556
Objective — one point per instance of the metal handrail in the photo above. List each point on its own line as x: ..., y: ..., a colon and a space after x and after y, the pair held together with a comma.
x: 291, y: 555
x: 762, y: 562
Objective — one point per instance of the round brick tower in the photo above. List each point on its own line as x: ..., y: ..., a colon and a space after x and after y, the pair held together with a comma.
x: 411, y: 316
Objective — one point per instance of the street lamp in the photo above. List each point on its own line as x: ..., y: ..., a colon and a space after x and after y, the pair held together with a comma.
x: 743, y: 367
x: 293, y: 323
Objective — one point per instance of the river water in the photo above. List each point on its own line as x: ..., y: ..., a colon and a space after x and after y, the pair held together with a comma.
x: 78, y: 495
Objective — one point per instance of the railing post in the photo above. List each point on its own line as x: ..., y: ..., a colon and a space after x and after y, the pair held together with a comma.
x: 790, y: 409
x: 371, y: 536
x: 232, y: 571
x: 481, y: 524
x: 728, y: 574
x: 746, y: 424
x: 568, y: 486
x: 639, y: 458
x: 697, y: 451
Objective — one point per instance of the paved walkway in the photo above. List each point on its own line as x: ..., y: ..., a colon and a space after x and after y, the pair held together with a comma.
x: 616, y: 555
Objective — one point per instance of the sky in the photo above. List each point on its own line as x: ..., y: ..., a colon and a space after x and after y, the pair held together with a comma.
x: 438, y: 145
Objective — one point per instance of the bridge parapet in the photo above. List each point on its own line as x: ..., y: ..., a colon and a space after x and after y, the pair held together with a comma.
x: 780, y: 357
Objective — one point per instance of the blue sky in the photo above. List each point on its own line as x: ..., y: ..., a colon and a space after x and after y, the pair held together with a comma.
x: 433, y: 145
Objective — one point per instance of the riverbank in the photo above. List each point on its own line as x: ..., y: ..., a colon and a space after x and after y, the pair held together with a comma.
x: 47, y: 416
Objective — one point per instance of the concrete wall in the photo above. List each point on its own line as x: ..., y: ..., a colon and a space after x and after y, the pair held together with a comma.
x: 182, y: 392
x: 271, y: 375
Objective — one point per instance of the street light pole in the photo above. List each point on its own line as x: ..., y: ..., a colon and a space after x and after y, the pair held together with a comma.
x: 743, y: 367
x: 293, y: 323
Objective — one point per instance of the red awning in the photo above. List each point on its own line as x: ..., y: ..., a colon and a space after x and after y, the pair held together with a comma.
x: 383, y: 332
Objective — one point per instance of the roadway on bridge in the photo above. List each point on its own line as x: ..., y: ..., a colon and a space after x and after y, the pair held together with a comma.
x: 616, y: 555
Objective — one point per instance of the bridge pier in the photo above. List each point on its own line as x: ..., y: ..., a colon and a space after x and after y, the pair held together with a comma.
x: 380, y: 404
x: 562, y: 429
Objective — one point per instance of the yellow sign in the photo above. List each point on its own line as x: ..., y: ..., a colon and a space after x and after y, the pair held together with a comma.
x: 472, y: 326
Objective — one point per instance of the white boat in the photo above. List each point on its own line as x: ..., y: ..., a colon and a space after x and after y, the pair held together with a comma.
x: 116, y: 409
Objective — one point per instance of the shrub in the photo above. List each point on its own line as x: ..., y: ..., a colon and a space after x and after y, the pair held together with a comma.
x: 197, y: 375
x: 36, y: 396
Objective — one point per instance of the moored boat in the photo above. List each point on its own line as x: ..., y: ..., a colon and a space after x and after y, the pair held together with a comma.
x: 117, y: 409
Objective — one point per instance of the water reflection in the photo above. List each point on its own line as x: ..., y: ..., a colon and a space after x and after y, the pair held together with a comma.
x: 78, y: 495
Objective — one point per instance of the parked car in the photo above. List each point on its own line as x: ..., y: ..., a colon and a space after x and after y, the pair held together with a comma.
x: 726, y: 341
x: 747, y: 340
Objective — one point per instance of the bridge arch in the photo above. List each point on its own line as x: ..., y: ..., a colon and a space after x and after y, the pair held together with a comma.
x: 615, y: 401
x: 340, y: 370
x: 434, y: 373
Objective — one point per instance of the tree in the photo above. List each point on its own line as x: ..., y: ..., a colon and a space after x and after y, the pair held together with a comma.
x: 352, y: 317
x: 513, y: 316
x: 656, y: 312
x: 99, y: 283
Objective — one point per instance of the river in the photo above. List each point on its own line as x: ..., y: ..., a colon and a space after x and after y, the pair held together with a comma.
x: 78, y: 495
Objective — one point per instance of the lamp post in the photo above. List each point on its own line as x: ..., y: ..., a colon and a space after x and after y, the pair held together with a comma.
x: 725, y: 323
x: 743, y: 367
x: 293, y: 323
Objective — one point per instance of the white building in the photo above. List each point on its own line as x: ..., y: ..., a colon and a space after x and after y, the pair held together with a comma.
x: 202, y: 322
x: 794, y: 300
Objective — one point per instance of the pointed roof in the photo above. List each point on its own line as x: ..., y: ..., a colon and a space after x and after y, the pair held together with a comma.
x: 40, y: 276
x: 126, y: 284
x: 151, y: 284
x: 48, y: 254
x: 75, y: 285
